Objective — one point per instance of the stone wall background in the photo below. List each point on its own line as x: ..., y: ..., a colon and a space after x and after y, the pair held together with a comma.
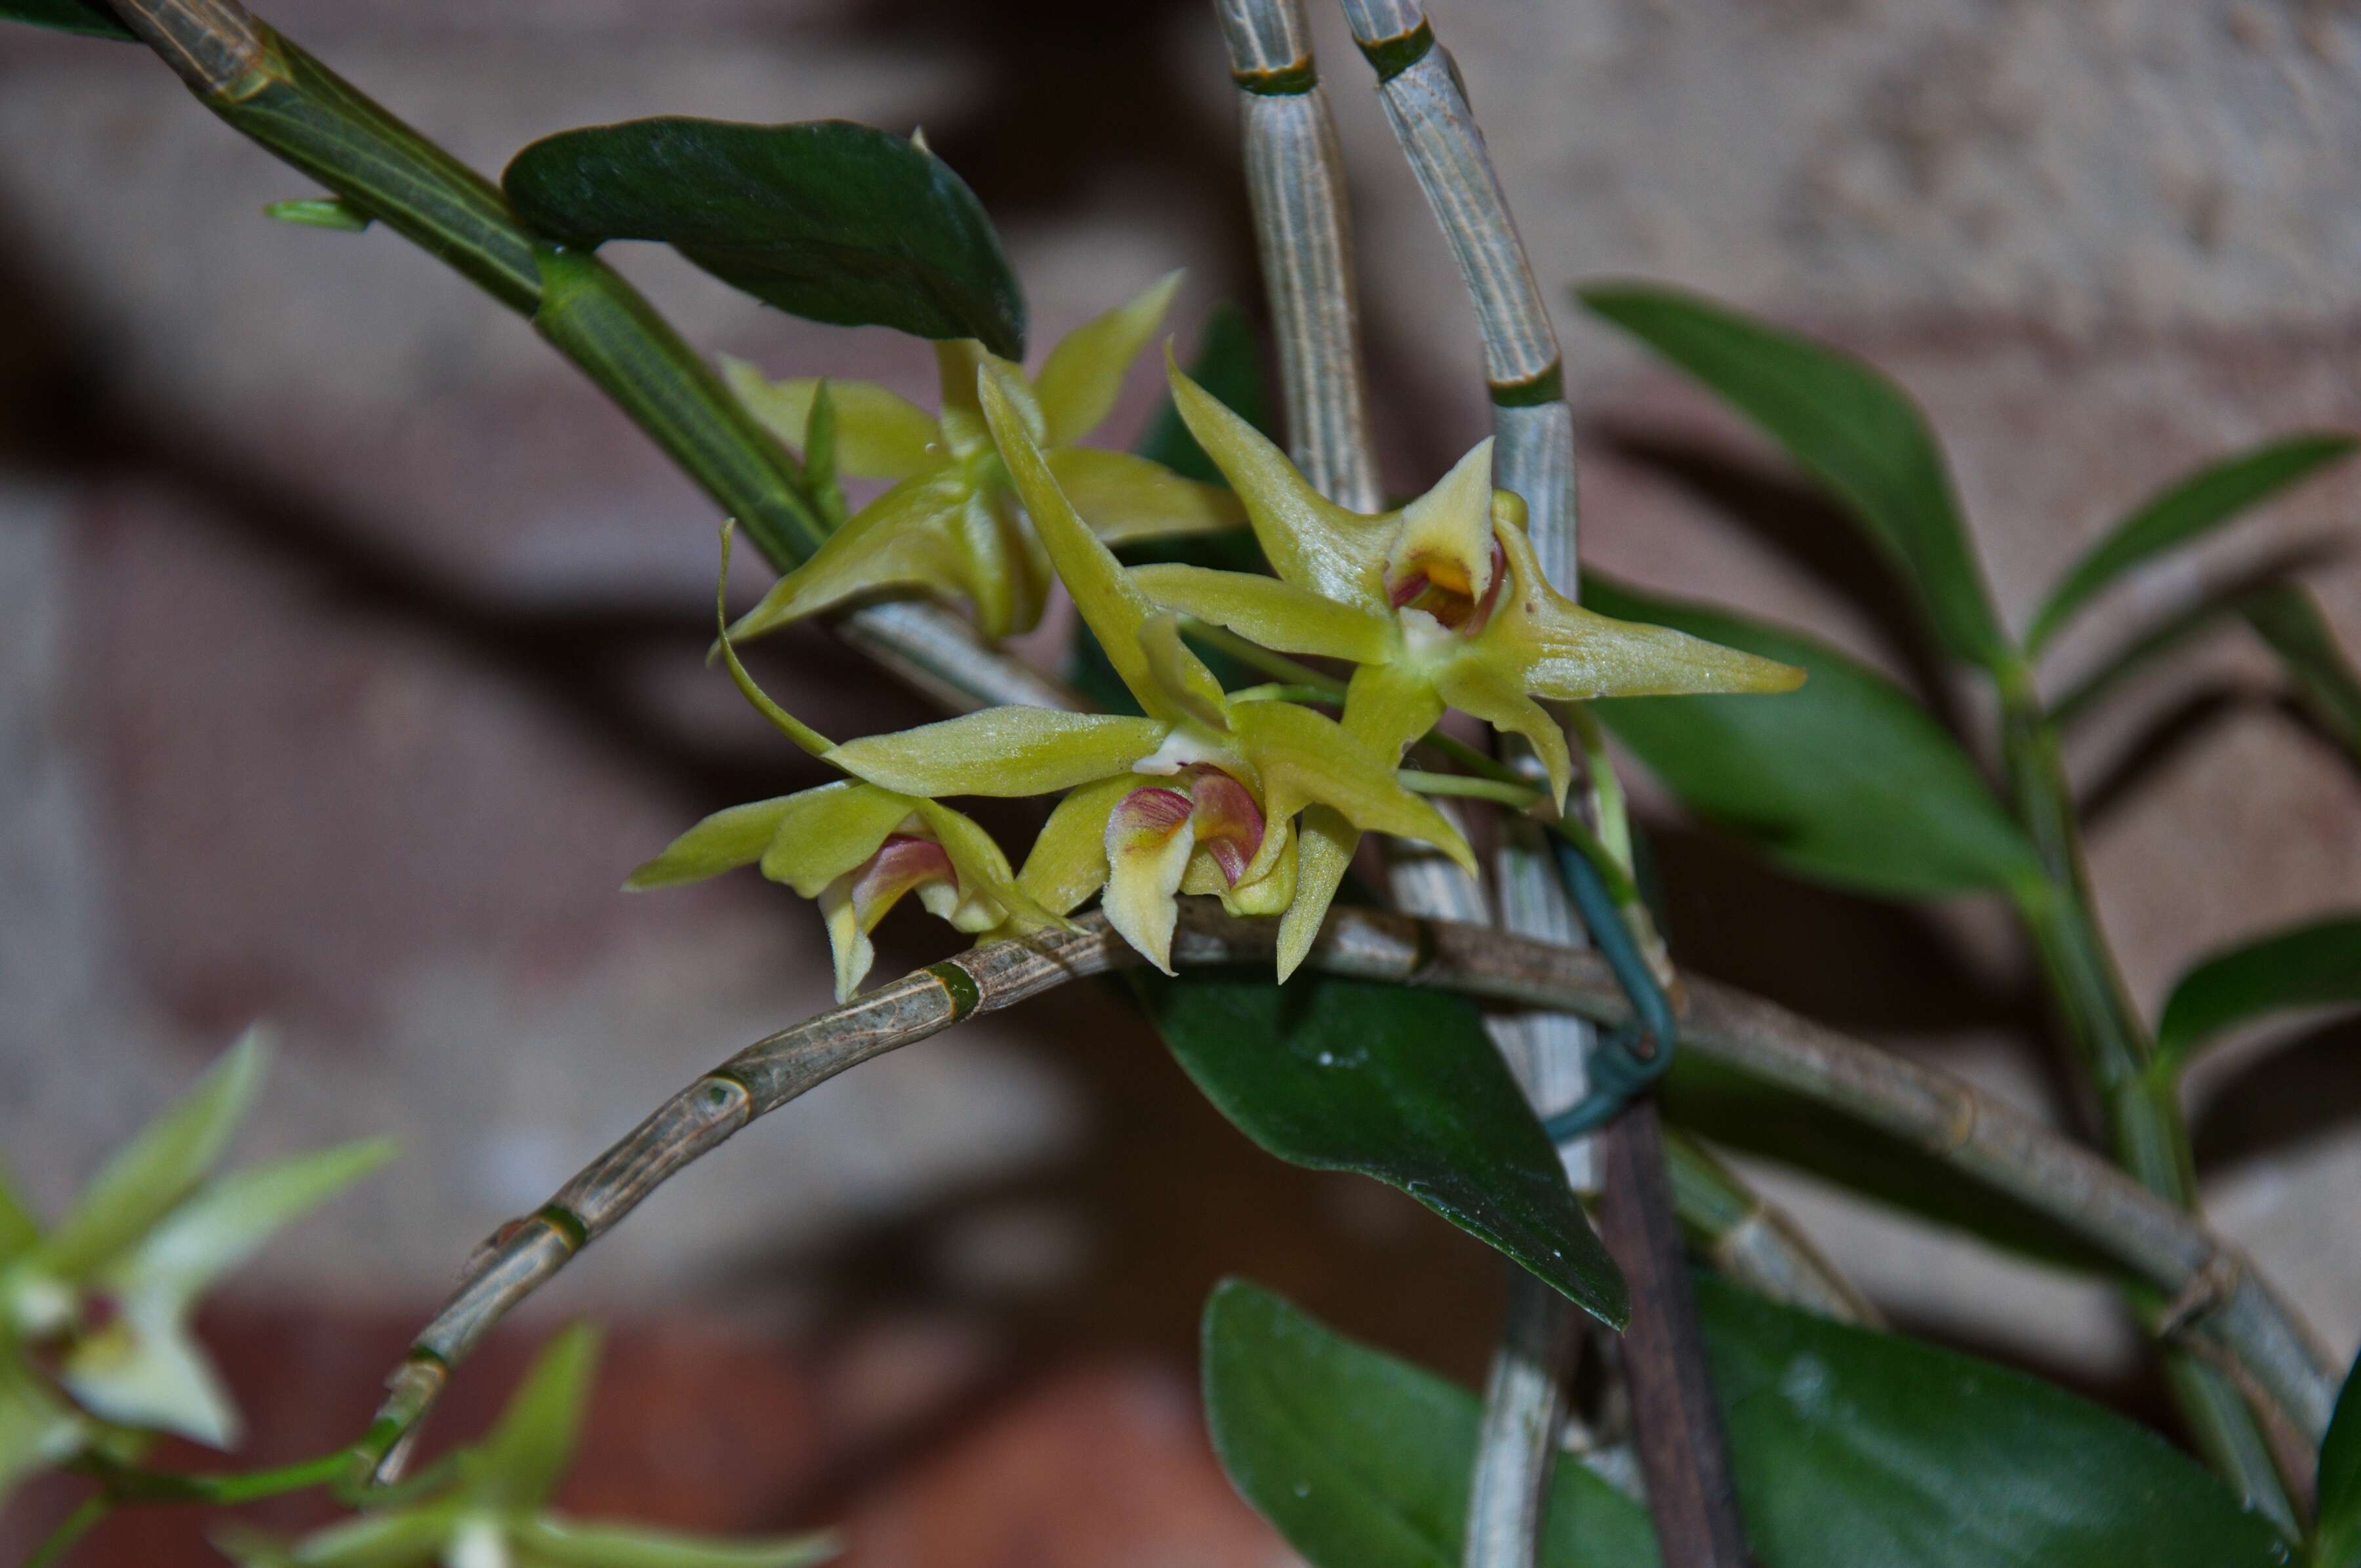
x: 350, y: 652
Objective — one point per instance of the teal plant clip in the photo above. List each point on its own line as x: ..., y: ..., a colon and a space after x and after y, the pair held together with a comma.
x: 1626, y: 1062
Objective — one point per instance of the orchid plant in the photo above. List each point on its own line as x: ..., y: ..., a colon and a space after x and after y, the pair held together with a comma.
x: 1832, y: 1440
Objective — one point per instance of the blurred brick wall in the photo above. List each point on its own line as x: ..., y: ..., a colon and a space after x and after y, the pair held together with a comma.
x: 350, y: 652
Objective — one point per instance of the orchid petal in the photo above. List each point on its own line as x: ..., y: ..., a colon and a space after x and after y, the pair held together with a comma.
x: 159, y: 1169
x: 1011, y: 751
x: 1148, y: 839
x: 552, y: 1542
x: 1187, y: 686
x: 1125, y: 498
x: 1069, y: 859
x: 228, y: 1221
x: 988, y: 890
x: 901, y: 540
x: 880, y: 435
x: 519, y: 1462
x: 1386, y: 706
x: 1305, y: 757
x: 143, y: 1370
x: 787, y: 724
x: 1227, y: 822
x: 733, y: 837
x: 18, y: 1229
x: 1269, y: 611
x: 1554, y: 648
x: 412, y: 1537
x: 1477, y: 689
x: 958, y: 362
x: 1311, y: 541
x: 1446, y: 537
x: 826, y: 832
x: 847, y: 943
x: 1081, y: 380
x: 1325, y: 844
x: 37, y: 1428
x: 1114, y: 609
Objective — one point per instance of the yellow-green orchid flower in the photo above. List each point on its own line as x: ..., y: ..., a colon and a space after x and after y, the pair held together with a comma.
x: 103, y: 1301
x: 855, y: 848
x: 1440, y: 604
x: 948, y: 524
x: 1199, y: 796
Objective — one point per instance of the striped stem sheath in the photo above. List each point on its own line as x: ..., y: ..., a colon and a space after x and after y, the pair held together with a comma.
x: 1533, y: 456
x: 1295, y: 179
x: 2224, y: 1302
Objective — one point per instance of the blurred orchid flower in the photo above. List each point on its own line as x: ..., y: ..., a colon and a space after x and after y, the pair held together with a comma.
x: 1199, y: 796
x: 1440, y: 604
x: 105, y: 1298
x: 949, y: 524
x: 857, y: 849
x: 495, y: 1512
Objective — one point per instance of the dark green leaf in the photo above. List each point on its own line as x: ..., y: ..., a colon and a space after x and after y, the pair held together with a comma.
x: 1849, y: 1447
x: 828, y: 220
x: 1845, y: 422
x: 2203, y: 500
x: 1852, y: 1446
x: 1362, y: 1461
x: 2337, y: 1541
x: 2307, y: 966
x: 2288, y: 619
x: 1394, y: 1082
x: 1846, y: 780
x: 2152, y: 642
x: 86, y: 16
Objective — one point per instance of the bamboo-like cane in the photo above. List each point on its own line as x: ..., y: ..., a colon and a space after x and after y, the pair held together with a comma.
x: 2228, y: 1304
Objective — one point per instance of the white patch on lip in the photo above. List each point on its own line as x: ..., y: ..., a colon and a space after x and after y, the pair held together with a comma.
x: 1179, y: 751
x: 1424, y: 635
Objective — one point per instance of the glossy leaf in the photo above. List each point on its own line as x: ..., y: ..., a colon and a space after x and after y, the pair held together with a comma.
x: 159, y: 1169
x: 2314, y: 965
x: 570, y: 1543
x: 1398, y: 1083
x: 520, y: 1460
x: 1362, y: 1461
x: 1854, y: 1446
x: 826, y: 220
x: 2288, y: 620
x: 1846, y: 423
x: 2187, y: 510
x: 88, y: 17
x: 2336, y: 1541
x: 1849, y: 1446
x: 1845, y: 780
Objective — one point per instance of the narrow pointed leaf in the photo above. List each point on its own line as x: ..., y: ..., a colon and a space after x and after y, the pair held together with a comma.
x: 827, y: 220
x: 1001, y: 751
x: 571, y: 1543
x: 2314, y: 965
x: 1084, y: 375
x: 2288, y: 620
x: 1362, y: 1461
x: 1125, y: 498
x: 880, y: 434
x: 86, y: 17
x: 1846, y: 779
x: 1845, y: 422
x: 520, y: 1460
x: 1278, y: 614
x: 1398, y: 1083
x: 2337, y: 1541
x: 1849, y: 1446
x: 229, y: 1220
x: 159, y: 1167
x: 2188, y: 509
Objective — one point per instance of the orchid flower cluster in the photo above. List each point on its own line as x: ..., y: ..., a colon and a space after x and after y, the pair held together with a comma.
x: 1254, y: 799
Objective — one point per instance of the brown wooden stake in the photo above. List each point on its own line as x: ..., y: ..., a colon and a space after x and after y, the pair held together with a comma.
x: 1683, y: 1453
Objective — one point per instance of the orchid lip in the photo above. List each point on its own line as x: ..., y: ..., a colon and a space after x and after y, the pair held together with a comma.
x: 1432, y: 589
